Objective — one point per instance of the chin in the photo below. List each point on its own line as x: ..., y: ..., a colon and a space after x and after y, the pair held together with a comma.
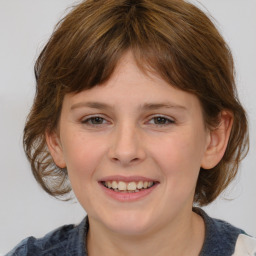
x: 128, y: 223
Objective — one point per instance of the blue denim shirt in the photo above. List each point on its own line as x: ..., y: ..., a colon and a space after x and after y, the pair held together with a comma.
x: 220, y: 240
x: 65, y: 241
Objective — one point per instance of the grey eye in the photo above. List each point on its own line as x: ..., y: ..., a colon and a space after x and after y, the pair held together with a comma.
x: 94, y: 120
x: 160, y: 120
x: 97, y: 120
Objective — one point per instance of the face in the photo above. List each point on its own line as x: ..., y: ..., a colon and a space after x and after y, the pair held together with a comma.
x: 133, y: 148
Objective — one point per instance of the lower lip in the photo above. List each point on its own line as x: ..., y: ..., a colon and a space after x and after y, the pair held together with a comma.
x: 128, y: 197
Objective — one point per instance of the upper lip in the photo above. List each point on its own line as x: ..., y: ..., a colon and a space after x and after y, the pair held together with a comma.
x: 126, y: 178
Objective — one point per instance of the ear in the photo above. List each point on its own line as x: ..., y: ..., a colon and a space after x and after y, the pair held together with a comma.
x: 218, y: 141
x: 55, y: 148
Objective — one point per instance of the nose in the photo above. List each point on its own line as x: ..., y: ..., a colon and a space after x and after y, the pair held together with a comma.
x: 126, y: 147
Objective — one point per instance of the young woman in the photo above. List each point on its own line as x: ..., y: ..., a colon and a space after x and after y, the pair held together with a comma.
x: 136, y: 111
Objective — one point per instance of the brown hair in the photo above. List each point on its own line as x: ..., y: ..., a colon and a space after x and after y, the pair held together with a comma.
x: 171, y: 37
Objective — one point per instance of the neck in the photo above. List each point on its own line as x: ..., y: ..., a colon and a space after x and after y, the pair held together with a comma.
x: 179, y: 238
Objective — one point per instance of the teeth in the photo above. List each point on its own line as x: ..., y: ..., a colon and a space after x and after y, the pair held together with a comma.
x: 130, y: 186
x: 114, y: 185
x: 140, y: 185
x: 150, y: 183
x: 145, y: 184
x: 109, y: 184
x: 122, y: 185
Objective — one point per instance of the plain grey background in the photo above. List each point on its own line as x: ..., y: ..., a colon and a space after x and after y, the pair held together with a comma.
x: 25, y: 27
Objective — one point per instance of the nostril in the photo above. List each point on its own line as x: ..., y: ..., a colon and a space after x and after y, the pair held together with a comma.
x: 125, y: 161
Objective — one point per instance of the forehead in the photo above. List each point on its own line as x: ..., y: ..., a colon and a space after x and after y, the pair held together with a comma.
x: 131, y: 87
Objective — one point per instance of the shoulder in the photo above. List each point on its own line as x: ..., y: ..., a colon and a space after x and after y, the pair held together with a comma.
x: 56, y: 242
x: 245, y: 245
x: 56, y: 239
x: 222, y: 238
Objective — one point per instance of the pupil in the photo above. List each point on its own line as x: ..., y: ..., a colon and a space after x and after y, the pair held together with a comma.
x: 97, y: 120
x: 160, y: 120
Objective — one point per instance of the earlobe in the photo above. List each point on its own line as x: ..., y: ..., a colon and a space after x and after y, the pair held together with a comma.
x: 218, y: 141
x: 55, y: 148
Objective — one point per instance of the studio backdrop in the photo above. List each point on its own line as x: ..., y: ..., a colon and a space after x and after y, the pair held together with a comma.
x: 25, y: 26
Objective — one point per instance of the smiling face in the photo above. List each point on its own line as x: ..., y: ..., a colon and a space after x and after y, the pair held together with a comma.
x: 140, y: 135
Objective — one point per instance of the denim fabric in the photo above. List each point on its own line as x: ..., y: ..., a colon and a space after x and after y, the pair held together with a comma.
x: 65, y: 241
x: 220, y: 236
x: 220, y: 240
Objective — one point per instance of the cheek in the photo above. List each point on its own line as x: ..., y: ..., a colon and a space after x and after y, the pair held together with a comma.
x: 179, y: 158
x: 82, y: 155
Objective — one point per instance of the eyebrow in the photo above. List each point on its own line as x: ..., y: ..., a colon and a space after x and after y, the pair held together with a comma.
x: 145, y: 106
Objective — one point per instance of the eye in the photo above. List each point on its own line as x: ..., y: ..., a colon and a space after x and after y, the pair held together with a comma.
x: 94, y: 121
x: 161, y: 120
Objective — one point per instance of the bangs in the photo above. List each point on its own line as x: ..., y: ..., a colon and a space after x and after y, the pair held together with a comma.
x: 87, y: 54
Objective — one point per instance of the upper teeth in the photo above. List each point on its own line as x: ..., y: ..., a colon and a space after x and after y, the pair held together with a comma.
x: 130, y: 186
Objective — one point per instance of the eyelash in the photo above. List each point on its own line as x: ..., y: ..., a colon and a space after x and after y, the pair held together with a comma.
x: 168, y: 120
x: 89, y: 120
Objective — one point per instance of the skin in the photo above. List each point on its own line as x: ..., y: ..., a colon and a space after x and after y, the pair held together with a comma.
x: 128, y: 140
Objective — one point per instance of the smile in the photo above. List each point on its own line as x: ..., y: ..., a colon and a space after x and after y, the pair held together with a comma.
x: 128, y: 187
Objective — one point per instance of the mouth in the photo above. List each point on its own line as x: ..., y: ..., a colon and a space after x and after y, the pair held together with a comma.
x: 128, y: 187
